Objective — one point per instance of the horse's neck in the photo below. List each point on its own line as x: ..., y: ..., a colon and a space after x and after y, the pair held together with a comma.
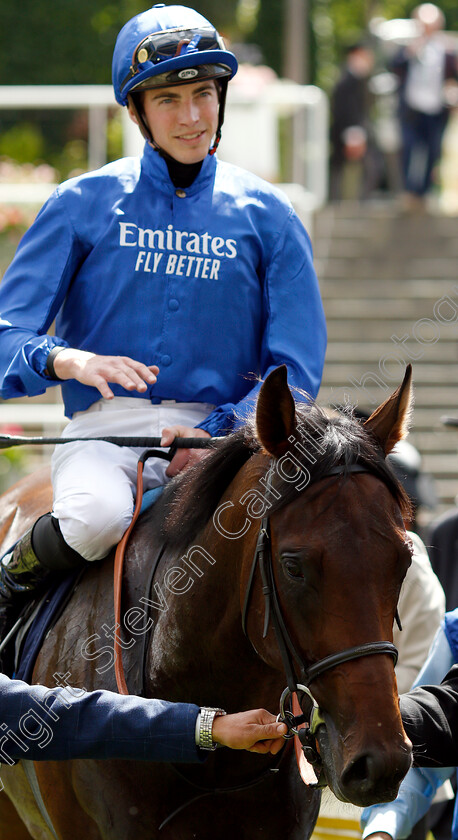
x: 198, y: 642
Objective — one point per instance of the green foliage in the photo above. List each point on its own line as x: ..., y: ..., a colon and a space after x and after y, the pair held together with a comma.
x: 63, y: 42
x: 268, y: 33
x: 114, y: 137
x: 221, y: 14
x: 71, y: 41
x: 68, y: 42
x: 22, y: 142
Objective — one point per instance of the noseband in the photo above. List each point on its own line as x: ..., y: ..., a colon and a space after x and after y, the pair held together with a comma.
x: 288, y: 650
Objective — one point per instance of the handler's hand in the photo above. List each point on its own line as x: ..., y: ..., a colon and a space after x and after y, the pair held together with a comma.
x: 256, y: 731
x: 183, y: 457
x: 98, y: 371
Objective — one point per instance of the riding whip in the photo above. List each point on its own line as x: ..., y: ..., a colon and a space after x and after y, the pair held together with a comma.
x: 144, y: 442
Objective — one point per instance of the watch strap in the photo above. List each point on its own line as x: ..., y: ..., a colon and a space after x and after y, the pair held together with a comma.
x: 207, y: 715
x: 50, y: 362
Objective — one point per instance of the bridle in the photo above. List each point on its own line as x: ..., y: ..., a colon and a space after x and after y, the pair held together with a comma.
x: 288, y: 650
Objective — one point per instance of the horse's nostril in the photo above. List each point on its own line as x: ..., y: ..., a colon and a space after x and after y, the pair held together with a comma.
x: 360, y: 774
x: 368, y: 779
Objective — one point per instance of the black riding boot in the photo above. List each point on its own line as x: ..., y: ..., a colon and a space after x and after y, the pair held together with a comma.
x: 39, y: 552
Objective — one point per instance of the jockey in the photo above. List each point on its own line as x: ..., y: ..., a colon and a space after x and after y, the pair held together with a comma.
x: 172, y: 278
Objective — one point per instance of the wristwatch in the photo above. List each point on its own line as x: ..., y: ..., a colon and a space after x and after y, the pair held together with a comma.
x: 49, y: 371
x: 204, y: 725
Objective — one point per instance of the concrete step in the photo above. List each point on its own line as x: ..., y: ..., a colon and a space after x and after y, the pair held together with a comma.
x: 376, y: 215
x: 346, y: 352
x: 442, y: 465
x: 439, y: 400
x: 436, y: 440
x: 447, y: 490
x: 388, y: 268
x: 380, y: 307
x: 355, y: 249
x: 391, y: 371
x: 365, y: 329
x: 331, y: 225
x: 427, y: 420
x: 428, y: 291
x: 383, y: 277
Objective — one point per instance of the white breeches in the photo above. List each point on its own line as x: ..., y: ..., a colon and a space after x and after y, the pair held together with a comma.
x: 94, y: 483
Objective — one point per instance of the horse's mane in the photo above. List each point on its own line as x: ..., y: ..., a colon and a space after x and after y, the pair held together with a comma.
x: 335, y: 440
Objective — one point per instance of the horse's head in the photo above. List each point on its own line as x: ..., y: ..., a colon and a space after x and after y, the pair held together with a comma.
x: 339, y: 555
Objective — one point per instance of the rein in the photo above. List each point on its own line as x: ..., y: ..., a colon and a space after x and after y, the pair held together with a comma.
x: 120, y: 554
x: 213, y: 791
x: 300, y: 688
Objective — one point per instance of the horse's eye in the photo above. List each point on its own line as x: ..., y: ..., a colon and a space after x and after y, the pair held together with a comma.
x: 292, y: 568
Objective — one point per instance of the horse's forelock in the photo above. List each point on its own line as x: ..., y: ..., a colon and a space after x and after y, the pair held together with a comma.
x: 328, y: 439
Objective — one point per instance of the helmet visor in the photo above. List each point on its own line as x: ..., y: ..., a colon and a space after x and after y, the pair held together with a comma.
x: 169, y: 43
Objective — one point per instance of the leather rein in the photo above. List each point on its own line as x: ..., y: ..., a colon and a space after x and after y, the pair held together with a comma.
x: 299, y: 688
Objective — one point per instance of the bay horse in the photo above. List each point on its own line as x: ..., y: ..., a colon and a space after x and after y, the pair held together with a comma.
x: 338, y: 551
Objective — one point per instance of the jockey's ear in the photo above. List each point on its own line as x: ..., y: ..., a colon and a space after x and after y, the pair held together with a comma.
x: 390, y: 421
x: 275, y: 413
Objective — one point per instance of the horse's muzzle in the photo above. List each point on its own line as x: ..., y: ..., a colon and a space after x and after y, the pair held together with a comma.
x: 370, y: 777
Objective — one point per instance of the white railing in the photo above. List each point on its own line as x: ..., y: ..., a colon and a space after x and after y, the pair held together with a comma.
x: 31, y: 415
x: 96, y: 98
x: 252, y: 130
x: 254, y: 115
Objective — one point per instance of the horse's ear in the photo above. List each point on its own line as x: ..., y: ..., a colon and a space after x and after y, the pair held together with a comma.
x: 390, y: 421
x: 275, y: 413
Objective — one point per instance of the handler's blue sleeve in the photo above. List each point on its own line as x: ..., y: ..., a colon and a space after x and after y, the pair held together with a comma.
x: 39, y: 723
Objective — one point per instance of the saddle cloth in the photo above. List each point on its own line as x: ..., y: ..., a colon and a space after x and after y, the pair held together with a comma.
x: 48, y: 608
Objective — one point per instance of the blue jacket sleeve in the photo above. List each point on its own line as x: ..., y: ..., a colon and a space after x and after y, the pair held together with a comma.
x: 294, y: 325
x: 65, y: 723
x: 420, y: 785
x: 31, y: 294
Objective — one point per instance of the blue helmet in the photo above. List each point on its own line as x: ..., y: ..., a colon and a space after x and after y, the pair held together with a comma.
x: 169, y: 45
x: 168, y: 42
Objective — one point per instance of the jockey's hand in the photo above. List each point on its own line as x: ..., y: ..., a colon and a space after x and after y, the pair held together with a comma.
x: 256, y: 731
x: 98, y: 371
x: 183, y: 457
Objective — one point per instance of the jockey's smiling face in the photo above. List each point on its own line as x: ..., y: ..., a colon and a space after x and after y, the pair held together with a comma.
x: 183, y: 119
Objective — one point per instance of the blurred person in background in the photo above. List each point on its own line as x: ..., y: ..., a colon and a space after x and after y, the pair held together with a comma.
x: 443, y: 551
x: 354, y: 156
x: 425, y: 69
x: 443, y: 544
x: 406, y: 461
